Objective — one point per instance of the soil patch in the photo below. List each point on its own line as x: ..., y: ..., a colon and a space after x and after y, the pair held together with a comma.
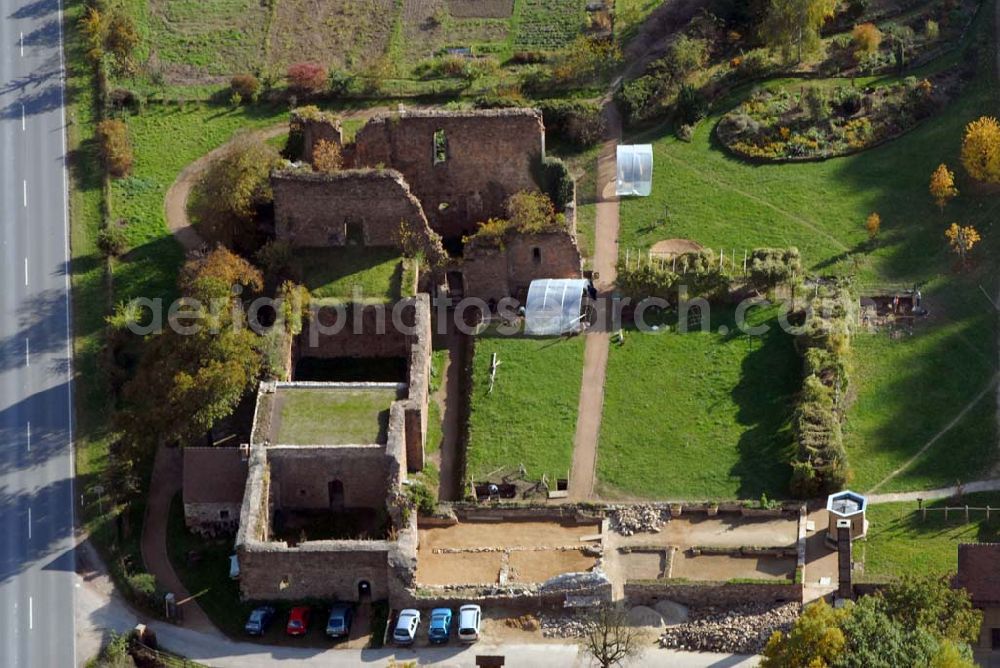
x: 540, y: 565
x: 671, y: 247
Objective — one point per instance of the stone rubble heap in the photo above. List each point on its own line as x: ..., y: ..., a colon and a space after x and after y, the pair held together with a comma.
x: 743, y: 629
x: 562, y: 626
x: 628, y: 520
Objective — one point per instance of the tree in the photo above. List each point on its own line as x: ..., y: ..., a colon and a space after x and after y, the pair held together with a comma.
x: 307, y: 77
x: 110, y: 31
x: 608, y: 638
x: 116, y: 151
x: 981, y: 149
x: 531, y: 211
x: 771, y: 267
x: 815, y: 641
x: 929, y: 602
x: 942, y: 187
x: 866, y: 38
x: 247, y: 86
x: 876, y: 639
x: 237, y: 182
x: 962, y: 239
x: 327, y: 157
x: 796, y: 24
x: 873, y: 224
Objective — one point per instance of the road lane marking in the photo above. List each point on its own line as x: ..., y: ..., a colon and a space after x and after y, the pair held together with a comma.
x: 31, y: 614
x: 25, y: 272
x: 29, y: 436
x: 22, y: 118
x: 21, y: 42
x: 24, y: 191
x: 27, y: 353
x: 29, y: 523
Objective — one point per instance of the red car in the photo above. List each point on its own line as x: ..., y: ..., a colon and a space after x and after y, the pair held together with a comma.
x: 298, y: 621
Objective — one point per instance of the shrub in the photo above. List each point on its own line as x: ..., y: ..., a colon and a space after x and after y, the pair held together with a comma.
x: 691, y: 105
x: 557, y: 182
x: 421, y: 498
x: 116, y: 152
x: 754, y: 65
x: 639, y: 98
x: 307, y: 77
x: 685, y: 56
x: 340, y: 81
x: 857, y: 8
x: 577, y: 122
x: 866, y: 39
x: 815, y: 101
x: 143, y: 586
x: 770, y: 267
x: 685, y: 132
x: 246, y: 86
x: 931, y: 30
x: 327, y: 157
x: 847, y: 100
x: 112, y: 240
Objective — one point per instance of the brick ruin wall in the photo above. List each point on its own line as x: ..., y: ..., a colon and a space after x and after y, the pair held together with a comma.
x: 491, y: 273
x: 490, y: 155
x: 315, y: 126
x: 718, y: 594
x: 207, y: 519
x: 313, y: 209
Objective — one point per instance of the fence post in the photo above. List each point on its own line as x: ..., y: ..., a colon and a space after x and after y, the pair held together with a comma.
x: 966, y: 513
x: 946, y: 513
x: 987, y: 513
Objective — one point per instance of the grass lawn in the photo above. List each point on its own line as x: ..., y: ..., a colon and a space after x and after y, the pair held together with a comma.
x: 699, y: 415
x: 376, y: 274
x: 333, y: 417
x: 530, y: 417
x: 899, y: 542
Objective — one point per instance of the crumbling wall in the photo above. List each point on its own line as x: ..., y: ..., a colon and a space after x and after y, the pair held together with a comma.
x: 367, y: 207
x: 493, y: 273
x: 300, y: 475
x: 718, y: 594
x: 314, y: 126
x: 209, y: 519
x: 488, y: 156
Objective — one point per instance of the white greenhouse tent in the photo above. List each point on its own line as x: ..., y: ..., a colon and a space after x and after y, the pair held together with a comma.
x: 554, y: 306
x: 635, y: 170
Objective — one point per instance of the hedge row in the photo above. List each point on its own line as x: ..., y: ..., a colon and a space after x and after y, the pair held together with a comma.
x: 819, y: 465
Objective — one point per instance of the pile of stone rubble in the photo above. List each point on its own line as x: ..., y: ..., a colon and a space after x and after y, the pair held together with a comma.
x: 562, y: 626
x: 628, y: 520
x: 743, y: 629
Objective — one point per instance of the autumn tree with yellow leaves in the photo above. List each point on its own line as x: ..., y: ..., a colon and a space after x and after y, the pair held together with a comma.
x: 873, y: 224
x: 942, y: 187
x: 962, y: 239
x: 981, y: 149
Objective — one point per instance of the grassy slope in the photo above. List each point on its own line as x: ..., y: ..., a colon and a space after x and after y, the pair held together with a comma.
x: 686, y: 416
x: 899, y: 542
x: 703, y: 194
x: 530, y: 417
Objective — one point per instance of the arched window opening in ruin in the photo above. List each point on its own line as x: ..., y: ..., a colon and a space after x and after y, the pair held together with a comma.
x: 223, y: 514
x: 354, y: 232
x: 364, y: 590
x: 336, y: 491
x: 536, y: 255
x: 440, y: 147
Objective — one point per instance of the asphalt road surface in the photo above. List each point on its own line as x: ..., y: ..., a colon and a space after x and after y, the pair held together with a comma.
x: 36, y: 459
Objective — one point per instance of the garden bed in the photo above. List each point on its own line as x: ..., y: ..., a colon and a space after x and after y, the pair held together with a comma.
x: 819, y: 122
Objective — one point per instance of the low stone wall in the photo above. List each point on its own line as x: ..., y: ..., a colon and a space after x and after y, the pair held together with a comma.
x: 211, y: 519
x: 720, y: 594
x: 564, y: 514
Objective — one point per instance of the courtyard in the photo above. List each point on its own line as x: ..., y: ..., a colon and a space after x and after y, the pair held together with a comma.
x: 331, y: 416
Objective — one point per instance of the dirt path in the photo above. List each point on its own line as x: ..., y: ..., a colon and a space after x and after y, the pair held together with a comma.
x: 991, y: 485
x: 595, y: 354
x: 164, y: 486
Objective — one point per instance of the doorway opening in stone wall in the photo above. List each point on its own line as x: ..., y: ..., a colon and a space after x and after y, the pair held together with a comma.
x: 336, y: 491
x: 354, y: 232
x: 364, y: 591
x: 456, y: 284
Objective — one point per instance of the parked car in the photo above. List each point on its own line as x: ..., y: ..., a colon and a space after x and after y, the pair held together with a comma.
x: 298, y: 621
x: 439, y: 630
x: 338, y: 624
x: 260, y: 619
x: 406, y: 627
x: 469, y: 617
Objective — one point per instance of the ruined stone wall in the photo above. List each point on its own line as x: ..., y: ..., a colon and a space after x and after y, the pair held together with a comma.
x: 209, y: 519
x: 364, y: 206
x: 493, y: 273
x: 719, y: 594
x: 489, y: 155
x: 300, y: 475
x: 315, y: 126
x: 366, y: 331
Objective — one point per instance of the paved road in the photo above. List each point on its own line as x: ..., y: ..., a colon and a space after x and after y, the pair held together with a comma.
x: 36, y: 468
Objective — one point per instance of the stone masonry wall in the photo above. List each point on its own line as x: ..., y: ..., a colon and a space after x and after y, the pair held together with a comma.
x: 315, y: 126
x: 492, y: 273
x: 367, y: 332
x: 367, y: 205
x: 719, y: 594
x: 207, y: 518
x: 300, y: 475
x: 490, y: 155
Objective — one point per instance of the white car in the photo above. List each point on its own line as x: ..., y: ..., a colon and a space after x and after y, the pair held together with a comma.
x: 406, y: 627
x: 469, y: 617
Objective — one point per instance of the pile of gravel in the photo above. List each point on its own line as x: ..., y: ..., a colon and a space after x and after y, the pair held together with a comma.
x: 743, y: 629
x: 628, y: 520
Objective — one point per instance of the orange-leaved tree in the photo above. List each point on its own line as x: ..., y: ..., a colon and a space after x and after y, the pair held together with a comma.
x: 327, y: 157
x: 942, y: 187
x: 981, y: 149
x: 962, y: 239
x: 873, y: 224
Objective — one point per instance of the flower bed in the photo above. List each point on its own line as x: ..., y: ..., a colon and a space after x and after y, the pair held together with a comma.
x: 817, y: 123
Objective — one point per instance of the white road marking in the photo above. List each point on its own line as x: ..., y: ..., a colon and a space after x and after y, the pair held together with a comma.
x: 31, y: 614
x: 22, y: 118
x: 29, y: 437
x: 27, y: 353
x: 21, y: 42
x: 29, y: 523
x: 24, y: 191
x: 25, y: 271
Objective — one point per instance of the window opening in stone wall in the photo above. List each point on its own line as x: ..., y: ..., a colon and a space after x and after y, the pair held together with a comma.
x: 354, y: 232
x: 440, y: 147
x: 536, y: 255
x: 223, y: 514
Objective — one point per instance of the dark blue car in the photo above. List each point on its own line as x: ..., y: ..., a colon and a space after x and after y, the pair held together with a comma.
x: 259, y: 620
x: 440, y: 627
